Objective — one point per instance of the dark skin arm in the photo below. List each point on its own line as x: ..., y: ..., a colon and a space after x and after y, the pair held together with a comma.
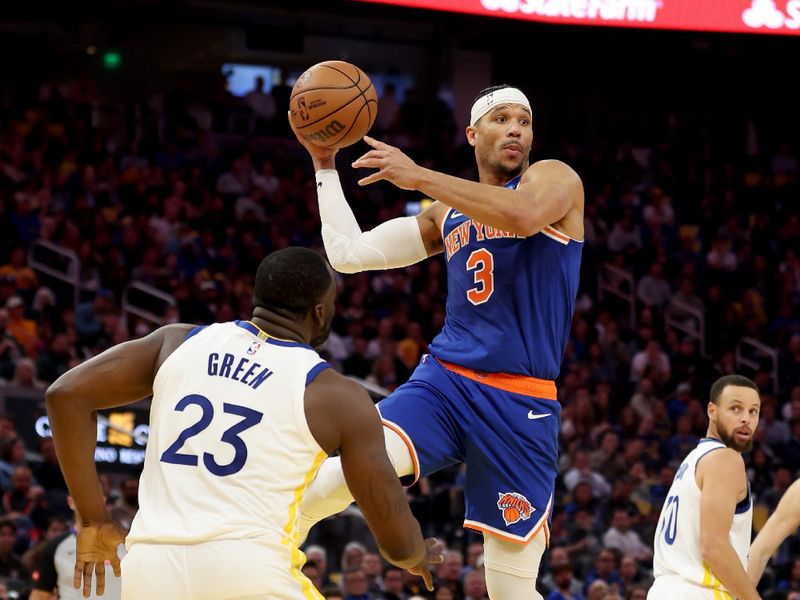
x: 342, y: 417
x: 121, y: 375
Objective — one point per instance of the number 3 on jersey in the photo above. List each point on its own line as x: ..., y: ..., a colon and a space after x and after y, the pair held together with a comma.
x: 482, y: 262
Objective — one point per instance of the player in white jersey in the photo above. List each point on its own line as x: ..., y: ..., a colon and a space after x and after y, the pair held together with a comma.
x: 780, y: 525
x: 242, y: 415
x: 704, y: 531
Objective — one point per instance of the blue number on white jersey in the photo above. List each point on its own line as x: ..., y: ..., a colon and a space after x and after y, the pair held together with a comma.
x: 669, y: 522
x: 250, y: 418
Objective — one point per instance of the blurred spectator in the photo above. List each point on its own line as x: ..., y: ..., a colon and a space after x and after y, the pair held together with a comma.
x: 604, y: 571
x: 127, y: 505
x: 311, y: 570
x: 22, y: 329
x: 372, y: 565
x: 22, y: 498
x: 89, y: 315
x: 262, y: 104
x: 448, y: 573
x: 386, y: 121
x: 25, y: 375
x: 651, y: 362
x: 48, y: 472
x: 621, y: 537
x: 9, y: 348
x: 566, y: 587
x: 17, y: 268
x: 392, y: 588
x: 355, y: 585
x: 475, y: 586
x: 652, y: 289
x: 582, y: 472
x: 56, y: 526
x: 684, y: 440
x: 559, y: 579
x: 320, y: 557
x: 792, y: 582
x: 352, y: 555
x: 11, y: 565
x: 56, y: 358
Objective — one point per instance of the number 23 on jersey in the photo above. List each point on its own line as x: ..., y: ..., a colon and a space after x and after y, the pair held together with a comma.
x: 250, y: 418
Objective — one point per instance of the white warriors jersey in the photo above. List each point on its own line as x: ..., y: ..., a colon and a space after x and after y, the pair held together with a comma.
x: 230, y: 453
x: 677, y: 542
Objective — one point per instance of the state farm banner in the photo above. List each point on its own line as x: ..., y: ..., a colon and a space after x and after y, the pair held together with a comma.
x: 739, y: 16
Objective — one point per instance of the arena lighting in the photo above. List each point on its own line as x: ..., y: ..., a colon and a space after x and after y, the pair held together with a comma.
x: 112, y: 59
x: 736, y: 16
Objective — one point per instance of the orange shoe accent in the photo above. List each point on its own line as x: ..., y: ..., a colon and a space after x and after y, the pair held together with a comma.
x: 517, y: 384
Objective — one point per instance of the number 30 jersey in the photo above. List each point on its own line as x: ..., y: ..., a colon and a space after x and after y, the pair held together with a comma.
x: 677, y: 541
x: 510, y: 298
x: 230, y: 453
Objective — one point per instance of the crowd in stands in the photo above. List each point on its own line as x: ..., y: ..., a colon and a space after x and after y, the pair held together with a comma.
x: 185, y: 199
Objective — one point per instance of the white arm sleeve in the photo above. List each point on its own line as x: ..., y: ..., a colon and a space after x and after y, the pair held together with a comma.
x: 396, y: 243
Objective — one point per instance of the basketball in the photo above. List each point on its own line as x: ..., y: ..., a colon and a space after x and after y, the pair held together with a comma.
x: 333, y: 104
x: 511, y: 514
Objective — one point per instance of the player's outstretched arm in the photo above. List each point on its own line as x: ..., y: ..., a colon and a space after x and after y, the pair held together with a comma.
x: 721, y: 477
x: 396, y: 243
x: 548, y: 191
x: 118, y: 376
x: 342, y: 416
x: 780, y: 525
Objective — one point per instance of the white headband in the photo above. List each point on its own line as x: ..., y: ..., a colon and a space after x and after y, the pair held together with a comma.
x: 502, y: 96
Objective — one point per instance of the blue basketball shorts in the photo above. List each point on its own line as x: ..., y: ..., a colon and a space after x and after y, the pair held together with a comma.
x: 504, y: 427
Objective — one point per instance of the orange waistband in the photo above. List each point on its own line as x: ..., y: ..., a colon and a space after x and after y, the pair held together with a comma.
x: 518, y: 384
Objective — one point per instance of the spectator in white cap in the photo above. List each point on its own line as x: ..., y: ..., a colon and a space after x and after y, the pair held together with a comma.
x: 19, y: 327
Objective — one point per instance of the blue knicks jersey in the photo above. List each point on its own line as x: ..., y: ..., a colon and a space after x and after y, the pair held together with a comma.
x: 510, y: 299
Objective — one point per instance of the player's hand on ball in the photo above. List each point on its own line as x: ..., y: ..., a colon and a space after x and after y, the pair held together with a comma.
x: 434, y: 557
x: 96, y: 545
x: 318, y: 153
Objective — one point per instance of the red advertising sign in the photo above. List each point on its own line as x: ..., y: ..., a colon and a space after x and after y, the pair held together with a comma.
x: 739, y: 16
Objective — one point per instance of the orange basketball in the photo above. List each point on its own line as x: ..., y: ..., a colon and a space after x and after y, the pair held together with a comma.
x: 511, y: 514
x: 333, y: 104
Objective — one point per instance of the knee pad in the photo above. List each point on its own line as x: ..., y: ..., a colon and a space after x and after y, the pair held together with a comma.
x: 520, y: 560
x: 399, y: 453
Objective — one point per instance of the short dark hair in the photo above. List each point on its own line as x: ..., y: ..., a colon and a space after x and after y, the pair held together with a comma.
x: 723, y: 382
x: 489, y: 90
x: 291, y: 280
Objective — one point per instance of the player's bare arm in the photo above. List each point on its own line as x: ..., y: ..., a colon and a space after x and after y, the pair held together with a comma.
x: 780, y: 525
x: 723, y: 483
x: 548, y: 192
x: 342, y: 417
x: 120, y: 375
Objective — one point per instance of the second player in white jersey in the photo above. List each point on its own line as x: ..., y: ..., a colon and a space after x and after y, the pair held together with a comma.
x: 208, y: 474
x: 677, y: 542
x: 242, y: 415
x: 704, y: 531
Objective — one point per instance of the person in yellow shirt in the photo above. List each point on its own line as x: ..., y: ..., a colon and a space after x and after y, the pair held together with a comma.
x: 18, y: 268
x: 20, y: 328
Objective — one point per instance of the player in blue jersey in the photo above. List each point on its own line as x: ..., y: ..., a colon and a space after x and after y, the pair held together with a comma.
x: 485, y: 395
